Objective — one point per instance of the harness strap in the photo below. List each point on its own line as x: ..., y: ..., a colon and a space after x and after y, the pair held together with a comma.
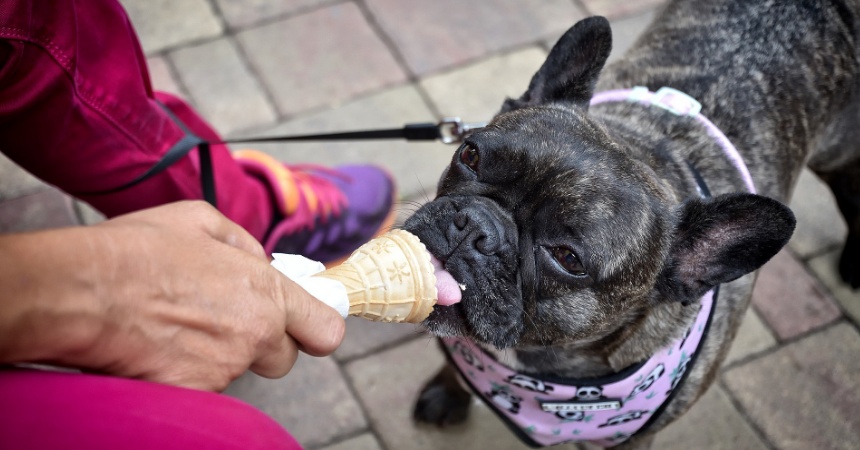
x: 679, y: 104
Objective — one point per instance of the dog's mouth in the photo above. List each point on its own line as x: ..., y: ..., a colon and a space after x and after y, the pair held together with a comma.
x: 448, y: 317
x: 448, y: 291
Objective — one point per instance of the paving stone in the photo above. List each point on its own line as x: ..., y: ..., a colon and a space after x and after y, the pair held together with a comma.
x: 712, y: 423
x: 86, y: 214
x: 305, y: 64
x: 466, y: 93
x: 15, y: 181
x: 161, y: 77
x: 162, y: 24
x: 44, y: 209
x: 753, y: 337
x: 434, y: 35
x: 222, y: 87
x: 241, y: 13
x: 826, y: 269
x: 313, y: 401
x: 820, y: 226
x: 790, y: 300
x: 807, y: 394
x: 613, y: 9
x: 626, y: 31
x: 416, y: 166
x: 365, y: 441
x: 364, y: 337
x: 388, y: 383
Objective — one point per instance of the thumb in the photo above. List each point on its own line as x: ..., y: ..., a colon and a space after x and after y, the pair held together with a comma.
x: 316, y: 327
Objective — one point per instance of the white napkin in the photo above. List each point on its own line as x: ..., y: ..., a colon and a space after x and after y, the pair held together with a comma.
x: 299, y: 269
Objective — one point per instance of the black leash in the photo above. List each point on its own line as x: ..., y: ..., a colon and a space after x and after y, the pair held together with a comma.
x: 450, y: 130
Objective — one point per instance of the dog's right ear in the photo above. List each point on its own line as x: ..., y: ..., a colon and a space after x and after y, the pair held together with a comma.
x: 720, y: 239
x: 572, y: 67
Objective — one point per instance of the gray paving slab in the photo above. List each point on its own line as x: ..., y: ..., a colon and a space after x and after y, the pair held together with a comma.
x: 753, y: 337
x: 820, y: 226
x: 366, y: 441
x: 86, y: 214
x: 163, y: 24
x: 15, y: 181
x: 431, y: 36
x: 825, y: 268
x: 242, y: 13
x: 712, y: 423
x: 807, y: 394
x: 320, y: 59
x: 222, y: 87
x: 162, y: 78
x: 416, y: 166
x: 790, y: 300
x: 364, y: 337
x: 313, y: 402
x: 466, y: 92
x: 625, y: 32
x: 388, y: 383
x: 613, y: 9
x: 44, y: 209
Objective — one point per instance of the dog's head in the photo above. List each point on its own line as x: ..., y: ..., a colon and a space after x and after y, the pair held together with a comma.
x: 558, y: 233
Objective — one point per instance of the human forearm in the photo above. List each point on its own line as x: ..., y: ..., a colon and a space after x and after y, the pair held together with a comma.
x: 176, y: 294
x: 48, y: 310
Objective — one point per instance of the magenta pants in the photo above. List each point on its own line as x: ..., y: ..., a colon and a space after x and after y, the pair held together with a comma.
x: 77, y: 110
x: 50, y: 410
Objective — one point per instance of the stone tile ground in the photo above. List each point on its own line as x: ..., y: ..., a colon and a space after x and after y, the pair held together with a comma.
x: 266, y: 67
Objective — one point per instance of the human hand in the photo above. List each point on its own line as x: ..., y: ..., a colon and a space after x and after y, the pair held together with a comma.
x: 183, y: 296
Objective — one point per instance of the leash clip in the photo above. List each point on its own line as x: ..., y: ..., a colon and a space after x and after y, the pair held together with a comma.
x: 452, y: 130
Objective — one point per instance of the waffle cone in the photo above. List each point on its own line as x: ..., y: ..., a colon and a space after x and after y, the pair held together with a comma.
x: 389, y: 279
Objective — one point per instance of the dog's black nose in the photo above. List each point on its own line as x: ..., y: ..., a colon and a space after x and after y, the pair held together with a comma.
x: 474, y: 229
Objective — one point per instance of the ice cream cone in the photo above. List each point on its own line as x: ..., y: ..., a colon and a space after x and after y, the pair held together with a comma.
x: 389, y: 279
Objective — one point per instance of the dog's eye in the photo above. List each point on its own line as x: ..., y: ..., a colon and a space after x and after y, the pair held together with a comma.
x: 469, y: 156
x: 568, y: 260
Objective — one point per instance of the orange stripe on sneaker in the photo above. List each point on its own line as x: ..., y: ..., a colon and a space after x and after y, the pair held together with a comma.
x: 310, y: 197
x: 284, y: 179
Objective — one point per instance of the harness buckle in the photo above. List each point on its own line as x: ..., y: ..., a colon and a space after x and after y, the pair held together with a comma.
x: 676, y: 102
x: 452, y: 130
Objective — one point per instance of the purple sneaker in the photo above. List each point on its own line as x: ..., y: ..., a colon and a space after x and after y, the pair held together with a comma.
x: 323, y: 214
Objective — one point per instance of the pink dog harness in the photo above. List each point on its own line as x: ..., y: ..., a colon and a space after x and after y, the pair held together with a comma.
x: 606, y: 411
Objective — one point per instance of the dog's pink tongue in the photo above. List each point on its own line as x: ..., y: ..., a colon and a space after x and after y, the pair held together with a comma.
x: 448, y: 290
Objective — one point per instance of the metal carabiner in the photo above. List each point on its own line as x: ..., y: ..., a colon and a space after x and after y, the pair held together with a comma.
x: 452, y: 130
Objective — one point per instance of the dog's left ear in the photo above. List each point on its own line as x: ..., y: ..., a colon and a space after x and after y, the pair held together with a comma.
x: 572, y: 67
x: 720, y: 239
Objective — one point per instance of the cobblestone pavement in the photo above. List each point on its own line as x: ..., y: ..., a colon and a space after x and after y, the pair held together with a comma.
x: 265, y: 66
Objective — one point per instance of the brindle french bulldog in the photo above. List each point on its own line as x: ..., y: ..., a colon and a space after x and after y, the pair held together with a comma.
x: 580, y: 233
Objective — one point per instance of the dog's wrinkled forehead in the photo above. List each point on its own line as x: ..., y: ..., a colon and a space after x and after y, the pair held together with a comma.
x: 589, y: 186
x: 559, y: 148
x: 550, y: 128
